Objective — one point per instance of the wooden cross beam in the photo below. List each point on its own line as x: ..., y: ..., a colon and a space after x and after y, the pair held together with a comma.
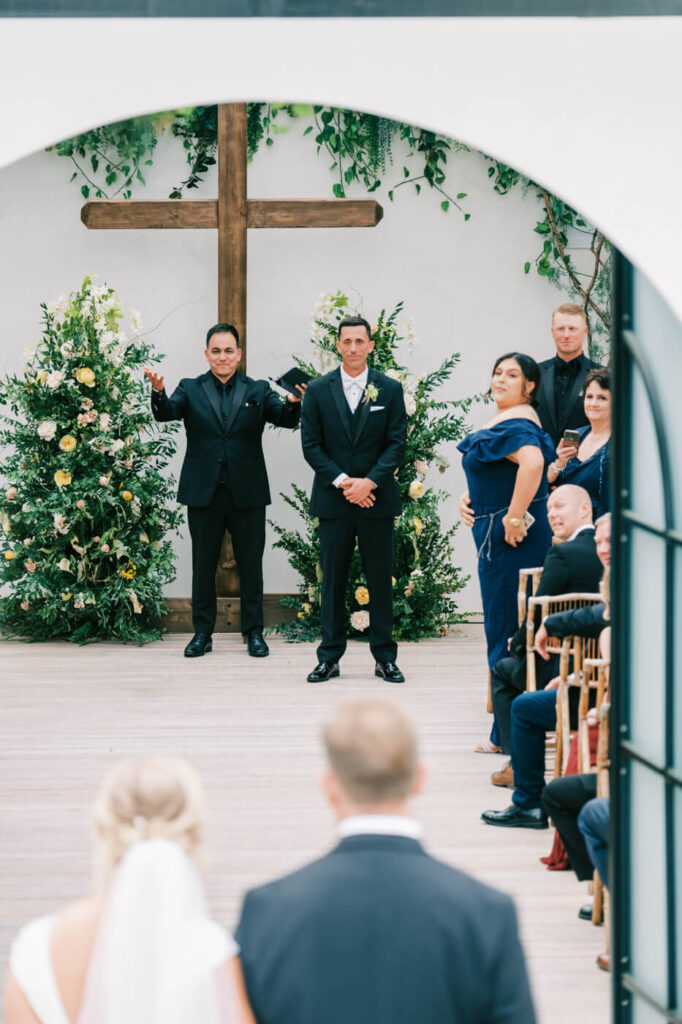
x: 232, y: 213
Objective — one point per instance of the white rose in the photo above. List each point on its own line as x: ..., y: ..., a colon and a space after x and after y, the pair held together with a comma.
x: 47, y: 430
x: 104, y: 481
x: 64, y: 565
x: 410, y: 404
x: 393, y: 374
x: 421, y: 467
x: 54, y: 379
x: 67, y: 349
x: 416, y: 488
x: 59, y: 523
x: 360, y: 620
x: 116, y: 446
x: 104, y: 421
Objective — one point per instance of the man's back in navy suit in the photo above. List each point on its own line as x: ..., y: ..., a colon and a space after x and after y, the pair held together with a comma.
x: 378, y: 931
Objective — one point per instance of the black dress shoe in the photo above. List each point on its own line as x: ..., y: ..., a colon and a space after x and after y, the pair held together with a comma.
x: 324, y: 671
x: 517, y: 817
x: 389, y: 671
x: 256, y: 644
x: 200, y: 644
x: 585, y: 912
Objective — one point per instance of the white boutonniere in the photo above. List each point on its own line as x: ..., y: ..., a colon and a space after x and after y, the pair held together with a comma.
x: 371, y: 394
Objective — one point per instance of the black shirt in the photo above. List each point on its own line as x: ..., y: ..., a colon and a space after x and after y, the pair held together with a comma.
x: 564, y: 376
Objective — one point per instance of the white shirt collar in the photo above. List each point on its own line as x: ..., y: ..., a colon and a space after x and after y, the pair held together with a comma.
x: 380, y: 825
x: 349, y: 381
x: 585, y: 526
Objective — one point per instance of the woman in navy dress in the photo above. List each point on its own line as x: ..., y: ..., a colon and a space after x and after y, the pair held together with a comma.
x: 505, y: 465
x: 587, y: 464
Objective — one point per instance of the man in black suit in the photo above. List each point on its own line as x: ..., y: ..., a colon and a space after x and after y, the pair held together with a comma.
x: 353, y: 432
x: 378, y: 931
x: 223, y: 480
x: 560, y: 402
x: 570, y: 567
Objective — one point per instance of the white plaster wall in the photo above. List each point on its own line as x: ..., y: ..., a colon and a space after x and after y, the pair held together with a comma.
x: 462, y: 283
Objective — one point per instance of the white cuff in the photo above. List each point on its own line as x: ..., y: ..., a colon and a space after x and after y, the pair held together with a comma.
x: 339, y: 480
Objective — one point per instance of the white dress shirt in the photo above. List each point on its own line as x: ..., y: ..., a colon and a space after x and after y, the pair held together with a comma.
x: 586, y: 526
x: 354, y: 387
x: 380, y: 825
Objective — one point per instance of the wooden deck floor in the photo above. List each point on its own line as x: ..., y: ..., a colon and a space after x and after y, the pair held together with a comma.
x: 251, y: 728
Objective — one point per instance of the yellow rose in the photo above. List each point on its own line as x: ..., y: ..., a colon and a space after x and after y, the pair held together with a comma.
x: 66, y: 596
x: 418, y: 525
x: 62, y: 478
x: 306, y: 607
x: 84, y: 375
x: 416, y: 488
x: 127, y: 496
x: 68, y: 443
x: 362, y: 595
x: 9, y: 555
x: 300, y: 615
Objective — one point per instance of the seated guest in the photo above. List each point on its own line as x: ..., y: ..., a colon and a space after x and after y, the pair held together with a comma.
x: 533, y: 714
x: 378, y: 931
x: 569, y: 567
x: 587, y: 464
x: 593, y: 822
x: 142, y: 949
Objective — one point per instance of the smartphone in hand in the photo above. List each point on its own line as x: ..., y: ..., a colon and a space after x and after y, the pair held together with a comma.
x: 572, y: 437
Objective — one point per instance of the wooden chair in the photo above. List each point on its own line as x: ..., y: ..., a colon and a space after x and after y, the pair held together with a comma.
x: 548, y: 605
x: 528, y: 584
x: 579, y: 666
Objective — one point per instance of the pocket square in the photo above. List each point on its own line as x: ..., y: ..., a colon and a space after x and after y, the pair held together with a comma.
x: 377, y: 408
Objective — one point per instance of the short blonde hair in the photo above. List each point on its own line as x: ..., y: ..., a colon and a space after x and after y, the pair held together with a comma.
x: 372, y: 750
x: 570, y: 309
x: 145, y: 798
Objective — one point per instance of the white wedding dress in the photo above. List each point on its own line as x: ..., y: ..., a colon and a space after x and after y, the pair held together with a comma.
x: 155, y: 955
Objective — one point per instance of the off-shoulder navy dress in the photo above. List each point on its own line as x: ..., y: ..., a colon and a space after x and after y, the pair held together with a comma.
x: 592, y: 474
x: 491, y: 478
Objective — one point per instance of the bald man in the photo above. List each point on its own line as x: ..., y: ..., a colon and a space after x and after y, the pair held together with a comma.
x: 570, y: 566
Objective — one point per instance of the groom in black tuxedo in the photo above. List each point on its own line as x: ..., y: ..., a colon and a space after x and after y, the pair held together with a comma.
x: 353, y: 432
x: 378, y: 931
x: 223, y: 480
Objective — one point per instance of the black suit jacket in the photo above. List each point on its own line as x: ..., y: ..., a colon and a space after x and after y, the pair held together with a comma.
x: 237, y: 445
x: 379, y: 932
x: 547, y: 408
x: 588, y: 622
x: 375, y: 450
x: 569, y: 568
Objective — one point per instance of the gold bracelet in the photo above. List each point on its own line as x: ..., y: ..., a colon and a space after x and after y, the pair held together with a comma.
x: 515, y: 522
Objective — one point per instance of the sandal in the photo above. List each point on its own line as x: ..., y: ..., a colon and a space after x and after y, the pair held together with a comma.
x: 487, y: 748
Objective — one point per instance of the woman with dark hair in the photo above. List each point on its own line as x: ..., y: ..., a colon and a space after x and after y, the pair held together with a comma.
x: 587, y: 463
x: 506, y: 503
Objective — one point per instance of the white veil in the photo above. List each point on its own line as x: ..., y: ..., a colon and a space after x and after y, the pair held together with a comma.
x: 156, y: 951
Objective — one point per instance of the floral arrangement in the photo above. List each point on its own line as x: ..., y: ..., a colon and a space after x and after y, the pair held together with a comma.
x: 82, y: 515
x: 425, y: 580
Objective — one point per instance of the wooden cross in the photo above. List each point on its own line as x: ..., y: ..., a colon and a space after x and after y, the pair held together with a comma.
x: 232, y: 213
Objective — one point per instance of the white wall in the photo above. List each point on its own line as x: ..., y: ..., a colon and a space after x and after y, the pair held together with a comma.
x: 462, y: 283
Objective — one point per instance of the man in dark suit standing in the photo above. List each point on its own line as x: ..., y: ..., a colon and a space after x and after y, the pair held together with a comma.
x: 353, y: 432
x: 378, y: 931
x: 560, y: 402
x: 570, y: 567
x: 223, y: 480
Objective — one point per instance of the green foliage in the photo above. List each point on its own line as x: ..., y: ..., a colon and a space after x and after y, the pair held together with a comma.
x: 426, y: 579
x: 109, y: 160
x: 83, y: 518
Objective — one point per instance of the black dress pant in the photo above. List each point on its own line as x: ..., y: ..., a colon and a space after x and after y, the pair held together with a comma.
x: 207, y: 527
x: 337, y: 543
x: 507, y: 681
x: 563, y: 799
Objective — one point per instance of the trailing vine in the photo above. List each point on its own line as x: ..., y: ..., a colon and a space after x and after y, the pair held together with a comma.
x: 574, y: 256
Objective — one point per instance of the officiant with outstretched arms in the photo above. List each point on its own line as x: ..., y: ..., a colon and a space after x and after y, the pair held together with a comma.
x: 223, y: 480
x: 353, y: 432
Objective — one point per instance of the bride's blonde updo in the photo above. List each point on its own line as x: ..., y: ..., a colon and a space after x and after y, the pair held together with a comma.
x: 147, y: 798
